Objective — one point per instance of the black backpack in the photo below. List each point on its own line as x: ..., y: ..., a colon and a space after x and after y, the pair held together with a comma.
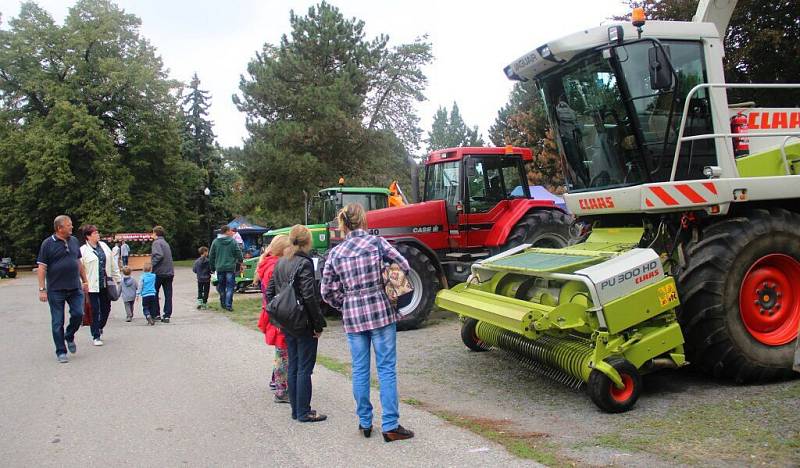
x: 287, y: 309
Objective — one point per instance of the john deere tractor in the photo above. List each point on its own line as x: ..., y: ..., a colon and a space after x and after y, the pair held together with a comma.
x: 324, y: 207
x: 694, y: 203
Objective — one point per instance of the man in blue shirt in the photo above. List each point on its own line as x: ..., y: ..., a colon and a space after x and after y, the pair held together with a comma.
x: 60, y: 267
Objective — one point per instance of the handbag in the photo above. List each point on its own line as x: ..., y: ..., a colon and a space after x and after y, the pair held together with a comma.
x: 87, y: 311
x: 287, y: 309
x: 396, y: 283
x: 113, y: 289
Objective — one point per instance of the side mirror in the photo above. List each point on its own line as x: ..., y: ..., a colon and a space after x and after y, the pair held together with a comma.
x: 660, y: 68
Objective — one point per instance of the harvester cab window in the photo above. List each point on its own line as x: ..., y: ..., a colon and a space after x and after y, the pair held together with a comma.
x: 595, y: 133
x: 443, y: 182
x: 658, y: 112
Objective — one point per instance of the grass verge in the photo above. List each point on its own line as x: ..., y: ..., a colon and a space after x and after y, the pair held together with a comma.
x: 246, y: 310
x: 183, y: 263
x: 527, y: 445
x: 754, y: 430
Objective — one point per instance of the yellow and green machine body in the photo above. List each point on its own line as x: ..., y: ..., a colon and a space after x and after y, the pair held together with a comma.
x: 600, y: 312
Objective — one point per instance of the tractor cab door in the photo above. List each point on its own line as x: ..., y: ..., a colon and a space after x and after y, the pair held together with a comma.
x: 443, y: 182
x: 490, y: 183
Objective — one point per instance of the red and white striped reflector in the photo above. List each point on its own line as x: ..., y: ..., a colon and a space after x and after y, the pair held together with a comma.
x: 673, y: 195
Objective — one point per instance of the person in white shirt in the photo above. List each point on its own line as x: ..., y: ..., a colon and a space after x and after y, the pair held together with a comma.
x: 115, y: 253
x: 100, y: 269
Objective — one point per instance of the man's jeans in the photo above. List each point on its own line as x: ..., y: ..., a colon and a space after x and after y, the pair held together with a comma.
x: 56, y: 300
x: 302, y: 352
x: 101, y: 309
x: 226, y: 281
x: 124, y: 260
x: 384, y: 342
x: 165, y: 281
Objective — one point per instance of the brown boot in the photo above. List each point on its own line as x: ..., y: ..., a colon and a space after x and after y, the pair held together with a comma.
x: 399, y: 433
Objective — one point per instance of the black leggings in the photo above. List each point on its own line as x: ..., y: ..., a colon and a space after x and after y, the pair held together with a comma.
x: 202, y: 290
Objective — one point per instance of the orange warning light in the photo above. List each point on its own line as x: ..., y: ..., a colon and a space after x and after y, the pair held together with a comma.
x: 637, y: 17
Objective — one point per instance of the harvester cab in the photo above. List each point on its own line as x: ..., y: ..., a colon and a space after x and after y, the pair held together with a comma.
x: 695, y: 249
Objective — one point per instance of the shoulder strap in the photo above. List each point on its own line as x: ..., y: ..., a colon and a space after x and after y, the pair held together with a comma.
x: 295, y: 272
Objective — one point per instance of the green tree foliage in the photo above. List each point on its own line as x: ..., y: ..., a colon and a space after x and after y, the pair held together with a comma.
x: 523, y: 122
x: 323, y: 103
x: 451, y: 131
x: 199, y: 148
x: 762, y: 44
x: 88, y: 126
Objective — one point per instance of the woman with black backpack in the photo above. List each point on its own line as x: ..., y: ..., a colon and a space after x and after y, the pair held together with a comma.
x: 296, y: 271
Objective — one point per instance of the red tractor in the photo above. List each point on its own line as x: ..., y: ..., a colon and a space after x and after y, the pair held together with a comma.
x: 476, y: 203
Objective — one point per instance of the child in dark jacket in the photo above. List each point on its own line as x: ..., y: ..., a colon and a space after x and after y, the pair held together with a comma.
x: 148, y: 293
x: 129, y: 289
x: 202, y: 269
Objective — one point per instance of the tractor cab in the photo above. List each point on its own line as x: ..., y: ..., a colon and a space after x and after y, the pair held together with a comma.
x: 329, y: 201
x: 478, y: 186
x: 324, y: 206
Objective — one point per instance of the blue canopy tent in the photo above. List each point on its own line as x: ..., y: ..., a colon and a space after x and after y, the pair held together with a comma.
x: 251, y: 234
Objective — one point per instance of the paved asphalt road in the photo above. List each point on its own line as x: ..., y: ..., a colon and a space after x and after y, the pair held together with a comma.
x: 189, y: 393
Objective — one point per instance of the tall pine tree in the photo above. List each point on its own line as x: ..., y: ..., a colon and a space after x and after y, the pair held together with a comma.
x: 323, y: 103
x: 199, y: 148
x: 451, y: 131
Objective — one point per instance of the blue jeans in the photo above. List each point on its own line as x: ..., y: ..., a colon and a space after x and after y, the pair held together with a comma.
x: 226, y: 281
x: 56, y: 300
x: 101, y: 309
x: 384, y: 342
x: 302, y: 351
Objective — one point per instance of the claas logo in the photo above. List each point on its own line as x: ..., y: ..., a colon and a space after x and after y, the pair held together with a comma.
x: 596, y: 203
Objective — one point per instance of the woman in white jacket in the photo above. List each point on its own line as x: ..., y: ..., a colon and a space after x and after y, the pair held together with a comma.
x: 100, y: 268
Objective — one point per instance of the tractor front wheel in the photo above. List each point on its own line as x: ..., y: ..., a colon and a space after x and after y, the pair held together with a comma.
x: 607, y: 396
x: 740, y: 296
x: 540, y: 228
x: 470, y: 338
x: 416, y: 306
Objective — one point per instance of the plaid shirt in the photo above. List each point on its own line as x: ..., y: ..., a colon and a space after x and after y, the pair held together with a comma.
x: 352, y: 281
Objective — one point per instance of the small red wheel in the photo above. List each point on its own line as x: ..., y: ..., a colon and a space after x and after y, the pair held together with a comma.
x: 607, y: 396
x: 769, y: 299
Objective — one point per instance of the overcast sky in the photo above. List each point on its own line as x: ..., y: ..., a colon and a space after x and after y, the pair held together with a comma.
x: 472, y: 42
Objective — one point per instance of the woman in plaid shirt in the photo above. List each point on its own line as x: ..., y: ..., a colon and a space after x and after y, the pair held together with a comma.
x: 352, y: 282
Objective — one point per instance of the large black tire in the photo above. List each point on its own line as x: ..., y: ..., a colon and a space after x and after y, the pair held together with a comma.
x: 608, y: 397
x: 469, y: 337
x: 426, y: 284
x: 718, y: 340
x: 540, y: 228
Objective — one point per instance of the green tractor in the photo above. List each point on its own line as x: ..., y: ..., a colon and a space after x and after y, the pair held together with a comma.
x: 323, y: 208
x: 326, y: 204
x: 694, y: 204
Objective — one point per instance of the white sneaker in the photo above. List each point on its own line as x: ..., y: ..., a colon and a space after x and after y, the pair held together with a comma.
x: 97, y: 342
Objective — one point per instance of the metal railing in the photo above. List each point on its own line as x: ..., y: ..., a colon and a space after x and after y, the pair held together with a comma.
x: 709, y: 136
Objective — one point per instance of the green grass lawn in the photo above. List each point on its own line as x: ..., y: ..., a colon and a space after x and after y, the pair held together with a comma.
x: 183, y: 263
x: 246, y: 309
x: 750, y: 431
